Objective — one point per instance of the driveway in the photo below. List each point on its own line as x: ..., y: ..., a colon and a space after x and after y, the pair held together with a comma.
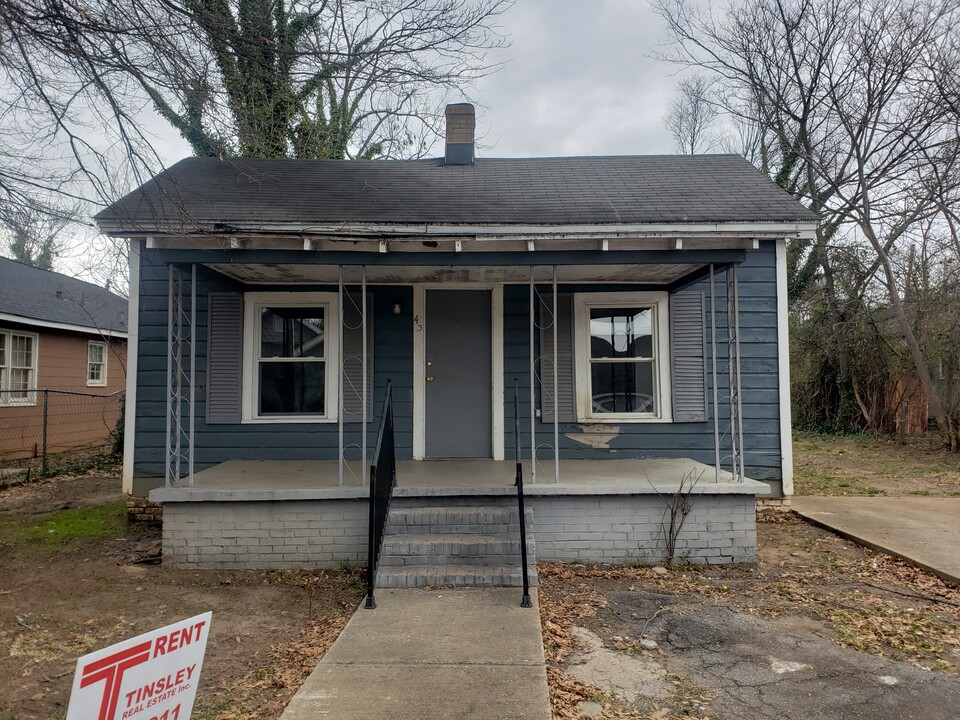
x: 922, y: 530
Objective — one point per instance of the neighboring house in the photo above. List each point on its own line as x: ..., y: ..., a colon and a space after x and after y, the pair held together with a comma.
x: 69, y: 338
x: 276, y: 298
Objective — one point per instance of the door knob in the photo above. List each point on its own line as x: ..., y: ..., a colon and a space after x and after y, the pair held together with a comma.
x: 429, y: 363
x: 429, y: 378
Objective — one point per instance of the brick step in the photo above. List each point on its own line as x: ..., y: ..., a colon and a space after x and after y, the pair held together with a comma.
x: 455, y: 520
x: 453, y: 549
x: 415, y: 576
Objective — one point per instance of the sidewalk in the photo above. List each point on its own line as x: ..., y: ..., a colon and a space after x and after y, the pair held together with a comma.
x: 432, y: 655
x: 922, y: 530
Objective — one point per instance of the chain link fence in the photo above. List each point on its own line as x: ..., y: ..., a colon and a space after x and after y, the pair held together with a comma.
x: 47, y: 431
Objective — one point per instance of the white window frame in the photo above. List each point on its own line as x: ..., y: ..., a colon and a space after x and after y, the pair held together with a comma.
x: 252, y: 302
x: 660, y: 303
x: 102, y: 382
x: 6, y: 370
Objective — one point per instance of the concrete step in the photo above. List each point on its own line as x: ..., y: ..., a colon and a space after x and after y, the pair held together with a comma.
x: 453, y: 549
x: 416, y: 576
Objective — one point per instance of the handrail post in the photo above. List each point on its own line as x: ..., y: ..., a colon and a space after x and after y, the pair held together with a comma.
x: 381, y: 491
x: 525, y: 600
x: 370, y: 603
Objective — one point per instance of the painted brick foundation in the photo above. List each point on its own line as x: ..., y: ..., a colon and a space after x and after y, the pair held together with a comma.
x: 325, y: 533
x: 627, y: 529
x: 263, y: 535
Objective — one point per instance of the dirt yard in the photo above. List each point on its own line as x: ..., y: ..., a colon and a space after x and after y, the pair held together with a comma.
x: 847, y: 633
x: 864, y: 465
x: 76, y: 578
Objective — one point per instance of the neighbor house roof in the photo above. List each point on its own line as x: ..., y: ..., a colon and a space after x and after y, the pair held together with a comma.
x: 210, y: 194
x: 47, y: 299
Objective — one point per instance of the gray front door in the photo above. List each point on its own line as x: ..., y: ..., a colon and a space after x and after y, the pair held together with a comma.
x: 459, y: 406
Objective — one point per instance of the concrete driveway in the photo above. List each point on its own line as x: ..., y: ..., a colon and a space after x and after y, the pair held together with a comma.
x: 922, y: 530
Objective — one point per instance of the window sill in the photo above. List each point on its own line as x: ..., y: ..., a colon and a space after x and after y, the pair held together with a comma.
x: 623, y: 419
x: 96, y: 384
x: 288, y: 420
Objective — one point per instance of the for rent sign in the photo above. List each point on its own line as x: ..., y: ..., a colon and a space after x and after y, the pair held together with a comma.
x: 151, y: 677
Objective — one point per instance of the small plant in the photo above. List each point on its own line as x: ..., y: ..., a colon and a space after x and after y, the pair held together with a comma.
x: 677, y: 505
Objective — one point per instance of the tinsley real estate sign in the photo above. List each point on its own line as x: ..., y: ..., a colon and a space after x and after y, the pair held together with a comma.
x: 151, y: 677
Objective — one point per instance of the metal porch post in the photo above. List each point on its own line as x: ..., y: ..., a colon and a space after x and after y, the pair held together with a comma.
x: 533, y: 398
x: 193, y: 368
x: 340, y: 375
x: 167, y: 457
x: 736, y: 322
x: 556, y: 396
x: 713, y: 363
x: 363, y: 366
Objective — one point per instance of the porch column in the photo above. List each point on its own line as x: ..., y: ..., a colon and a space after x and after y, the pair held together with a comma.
x: 535, y: 378
x: 181, y: 387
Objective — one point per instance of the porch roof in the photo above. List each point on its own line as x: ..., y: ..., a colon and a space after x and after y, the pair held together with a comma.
x: 203, y: 195
x: 274, y: 480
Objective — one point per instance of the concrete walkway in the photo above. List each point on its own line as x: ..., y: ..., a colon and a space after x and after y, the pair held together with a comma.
x: 432, y: 655
x: 922, y: 530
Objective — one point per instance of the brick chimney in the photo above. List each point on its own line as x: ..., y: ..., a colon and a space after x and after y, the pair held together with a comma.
x: 461, y: 126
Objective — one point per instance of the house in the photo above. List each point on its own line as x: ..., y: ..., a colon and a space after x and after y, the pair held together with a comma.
x: 63, y: 348
x: 637, y: 303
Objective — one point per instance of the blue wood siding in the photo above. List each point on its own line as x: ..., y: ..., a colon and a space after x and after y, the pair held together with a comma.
x: 393, y: 343
x: 393, y: 340
x: 759, y: 381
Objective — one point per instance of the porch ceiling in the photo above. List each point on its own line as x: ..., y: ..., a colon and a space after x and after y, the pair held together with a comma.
x: 301, y: 274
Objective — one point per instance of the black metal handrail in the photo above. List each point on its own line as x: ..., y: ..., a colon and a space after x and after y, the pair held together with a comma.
x: 383, y: 478
x: 525, y: 600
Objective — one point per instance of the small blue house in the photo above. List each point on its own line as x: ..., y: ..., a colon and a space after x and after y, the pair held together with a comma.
x: 636, y: 303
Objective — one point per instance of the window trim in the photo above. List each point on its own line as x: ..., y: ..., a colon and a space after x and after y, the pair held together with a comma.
x: 252, y: 302
x: 102, y: 382
x: 5, y: 398
x: 660, y: 302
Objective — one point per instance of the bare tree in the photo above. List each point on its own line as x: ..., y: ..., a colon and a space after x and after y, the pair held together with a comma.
x: 693, y: 115
x: 858, y: 97
x: 34, y: 235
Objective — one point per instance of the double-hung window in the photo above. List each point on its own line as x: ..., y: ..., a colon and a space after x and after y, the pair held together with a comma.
x: 18, y: 368
x: 96, y: 364
x: 290, y: 357
x: 622, y: 363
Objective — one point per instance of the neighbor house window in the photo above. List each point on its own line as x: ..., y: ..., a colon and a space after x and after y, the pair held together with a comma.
x: 96, y: 363
x: 18, y: 368
x: 290, y: 357
x: 622, y: 364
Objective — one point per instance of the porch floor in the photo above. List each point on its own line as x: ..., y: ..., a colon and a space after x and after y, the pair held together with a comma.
x: 239, y: 480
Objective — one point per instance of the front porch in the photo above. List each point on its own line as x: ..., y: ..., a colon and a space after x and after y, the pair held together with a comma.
x: 277, y: 480
x: 274, y: 514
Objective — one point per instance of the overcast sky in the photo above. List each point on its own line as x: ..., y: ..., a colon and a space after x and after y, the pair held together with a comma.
x: 578, y: 80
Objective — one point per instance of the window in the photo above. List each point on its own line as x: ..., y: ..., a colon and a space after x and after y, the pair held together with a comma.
x: 622, y: 363
x: 96, y: 364
x: 290, y: 357
x: 18, y: 368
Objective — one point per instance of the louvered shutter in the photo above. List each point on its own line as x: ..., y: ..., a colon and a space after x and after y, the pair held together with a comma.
x: 352, y: 357
x: 566, y: 392
x: 688, y: 354
x: 224, y: 357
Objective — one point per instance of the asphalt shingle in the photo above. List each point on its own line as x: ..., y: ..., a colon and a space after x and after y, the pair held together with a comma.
x: 204, y: 194
x: 34, y: 294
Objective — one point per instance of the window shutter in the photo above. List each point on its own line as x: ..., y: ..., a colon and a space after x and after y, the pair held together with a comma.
x: 352, y: 371
x: 224, y: 357
x: 688, y: 353
x: 566, y: 392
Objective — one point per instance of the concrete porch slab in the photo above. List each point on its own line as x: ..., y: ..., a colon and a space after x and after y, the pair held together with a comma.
x: 271, y: 480
x: 432, y: 655
x: 924, y: 531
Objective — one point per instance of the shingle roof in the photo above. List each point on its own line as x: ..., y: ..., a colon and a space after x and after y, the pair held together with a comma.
x: 34, y: 294
x: 198, y: 193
